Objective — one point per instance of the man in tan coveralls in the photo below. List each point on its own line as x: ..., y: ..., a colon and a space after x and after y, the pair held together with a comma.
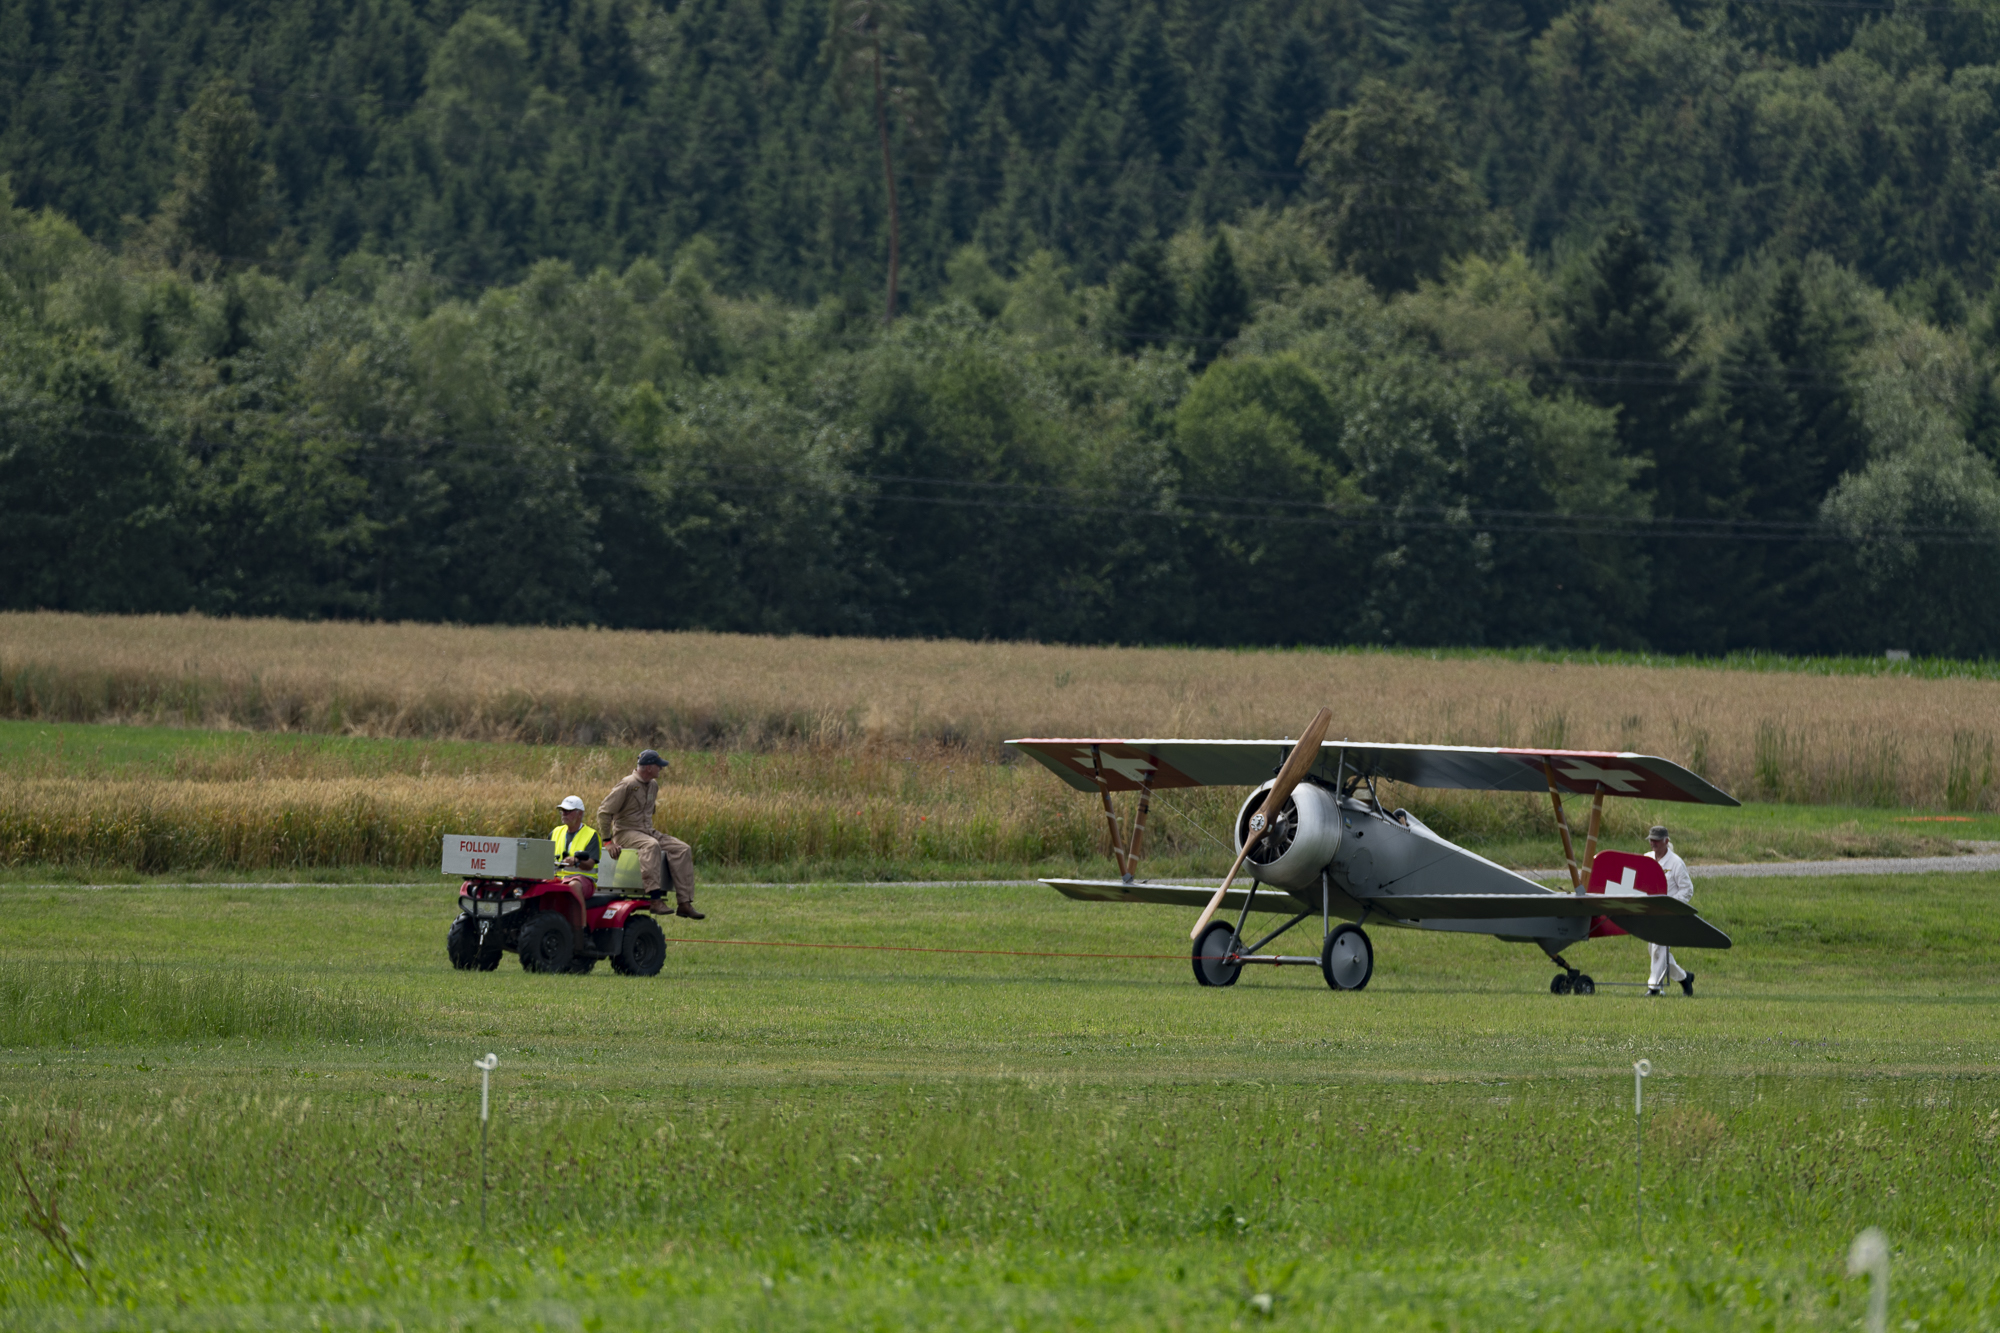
x: 626, y: 820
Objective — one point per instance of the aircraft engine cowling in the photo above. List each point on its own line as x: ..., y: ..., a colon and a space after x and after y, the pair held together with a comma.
x: 1306, y: 836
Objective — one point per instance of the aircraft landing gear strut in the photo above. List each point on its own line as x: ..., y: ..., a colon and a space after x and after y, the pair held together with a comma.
x: 1346, y: 957
x: 1569, y: 981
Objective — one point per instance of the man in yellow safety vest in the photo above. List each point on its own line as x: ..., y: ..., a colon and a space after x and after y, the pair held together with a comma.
x: 577, y: 848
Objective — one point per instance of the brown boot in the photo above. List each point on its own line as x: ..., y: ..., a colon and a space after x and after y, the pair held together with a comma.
x: 690, y: 913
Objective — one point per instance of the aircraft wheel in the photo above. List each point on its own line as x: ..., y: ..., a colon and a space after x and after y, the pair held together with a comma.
x: 1347, y: 959
x: 1559, y: 984
x: 1211, y: 956
x: 1584, y: 985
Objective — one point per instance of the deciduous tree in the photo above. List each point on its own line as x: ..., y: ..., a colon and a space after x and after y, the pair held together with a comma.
x: 1396, y: 204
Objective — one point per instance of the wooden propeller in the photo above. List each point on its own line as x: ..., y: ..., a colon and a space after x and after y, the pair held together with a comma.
x: 1297, y: 764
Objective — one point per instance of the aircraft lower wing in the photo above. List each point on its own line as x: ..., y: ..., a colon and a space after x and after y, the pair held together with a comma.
x: 1175, y: 895
x: 1474, y: 906
x: 1677, y: 932
x: 1127, y: 765
x: 1655, y: 918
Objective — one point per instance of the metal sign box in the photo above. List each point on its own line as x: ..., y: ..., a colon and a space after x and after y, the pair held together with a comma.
x: 477, y: 856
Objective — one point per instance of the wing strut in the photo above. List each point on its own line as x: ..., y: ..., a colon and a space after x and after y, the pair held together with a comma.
x: 1596, y: 821
x: 1125, y: 851
x: 1132, y: 850
x: 1562, y: 827
x: 1111, y: 818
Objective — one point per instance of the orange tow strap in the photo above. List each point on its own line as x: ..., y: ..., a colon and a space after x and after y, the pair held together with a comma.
x: 912, y: 948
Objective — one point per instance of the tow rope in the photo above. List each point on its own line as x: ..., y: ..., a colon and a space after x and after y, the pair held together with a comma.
x: 913, y: 948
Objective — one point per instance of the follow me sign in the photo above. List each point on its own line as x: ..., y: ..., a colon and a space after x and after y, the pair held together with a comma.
x: 481, y: 856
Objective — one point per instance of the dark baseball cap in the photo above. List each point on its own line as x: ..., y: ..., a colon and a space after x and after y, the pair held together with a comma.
x: 651, y: 757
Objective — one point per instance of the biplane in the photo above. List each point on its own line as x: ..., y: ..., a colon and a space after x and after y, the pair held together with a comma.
x: 1319, y: 842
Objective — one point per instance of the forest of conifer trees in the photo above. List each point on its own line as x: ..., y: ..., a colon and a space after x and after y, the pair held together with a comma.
x: 1626, y: 324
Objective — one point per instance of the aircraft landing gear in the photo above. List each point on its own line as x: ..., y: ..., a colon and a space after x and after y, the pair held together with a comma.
x: 1347, y: 959
x: 1216, y: 955
x: 1572, y: 982
x: 1569, y: 981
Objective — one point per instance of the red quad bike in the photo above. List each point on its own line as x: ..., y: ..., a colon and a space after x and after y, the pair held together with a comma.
x: 541, y: 921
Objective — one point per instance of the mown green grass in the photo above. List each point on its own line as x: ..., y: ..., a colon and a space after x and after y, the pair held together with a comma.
x: 80, y: 749
x: 1503, y: 1204
x: 50, y: 1003
x: 780, y: 1138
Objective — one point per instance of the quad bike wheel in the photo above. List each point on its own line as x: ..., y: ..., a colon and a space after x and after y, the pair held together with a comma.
x: 547, y: 943
x: 645, y: 949
x: 467, y: 951
x: 461, y: 944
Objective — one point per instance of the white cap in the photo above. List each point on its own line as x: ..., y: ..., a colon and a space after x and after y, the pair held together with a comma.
x: 571, y: 803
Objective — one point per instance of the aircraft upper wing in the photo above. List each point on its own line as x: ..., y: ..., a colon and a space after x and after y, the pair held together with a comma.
x: 1129, y: 764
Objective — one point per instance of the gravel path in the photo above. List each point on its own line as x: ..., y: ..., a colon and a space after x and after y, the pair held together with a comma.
x: 1873, y: 865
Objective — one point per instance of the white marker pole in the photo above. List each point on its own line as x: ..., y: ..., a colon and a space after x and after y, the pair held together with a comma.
x: 1870, y: 1255
x: 1640, y: 1068
x: 485, y: 1068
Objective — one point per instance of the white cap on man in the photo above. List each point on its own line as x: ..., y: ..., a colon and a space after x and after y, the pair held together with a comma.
x: 571, y: 803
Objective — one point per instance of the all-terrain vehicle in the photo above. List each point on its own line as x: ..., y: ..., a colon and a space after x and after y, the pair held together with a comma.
x: 540, y: 917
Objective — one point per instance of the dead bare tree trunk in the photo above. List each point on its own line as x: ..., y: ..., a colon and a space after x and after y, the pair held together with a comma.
x: 872, y: 40
x: 889, y: 180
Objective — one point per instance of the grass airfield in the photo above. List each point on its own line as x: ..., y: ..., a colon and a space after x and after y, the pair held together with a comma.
x: 794, y: 1138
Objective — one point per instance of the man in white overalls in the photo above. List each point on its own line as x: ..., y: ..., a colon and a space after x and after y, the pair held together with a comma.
x: 1679, y: 885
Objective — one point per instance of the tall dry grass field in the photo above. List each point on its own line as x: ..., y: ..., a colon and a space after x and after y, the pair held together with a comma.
x: 271, y: 803
x: 155, y: 826
x: 1773, y: 735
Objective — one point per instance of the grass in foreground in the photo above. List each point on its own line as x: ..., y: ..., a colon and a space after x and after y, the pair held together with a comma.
x: 795, y: 1138
x: 71, y: 1004
x: 97, y: 802
x: 915, y: 1205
